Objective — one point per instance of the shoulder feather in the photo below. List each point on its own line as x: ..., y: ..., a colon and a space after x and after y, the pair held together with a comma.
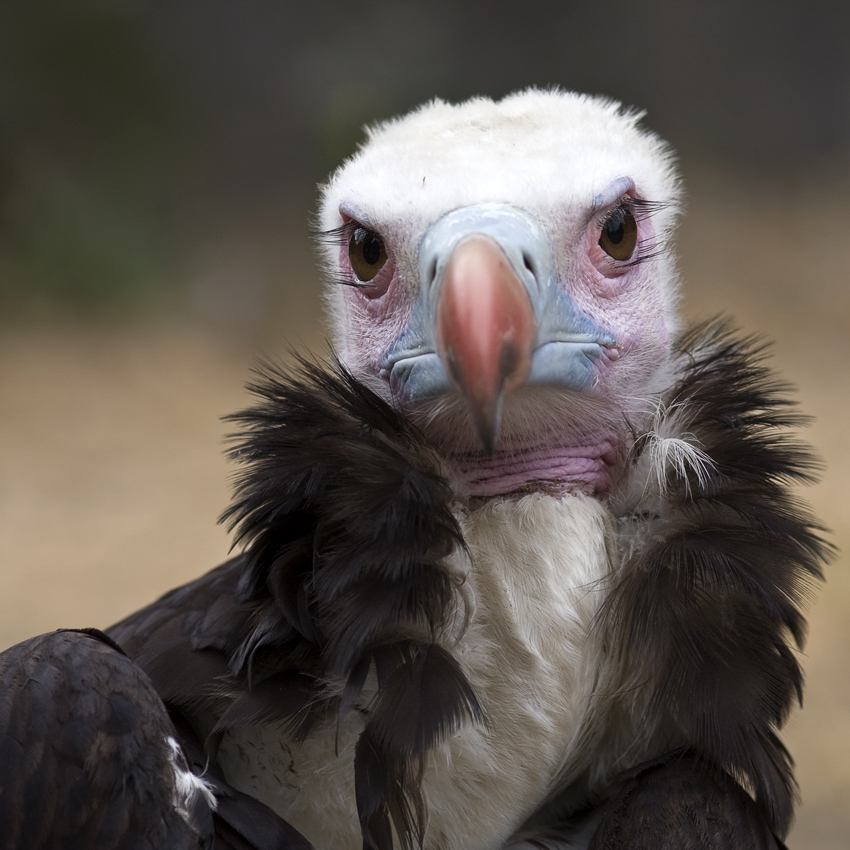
x: 719, y: 557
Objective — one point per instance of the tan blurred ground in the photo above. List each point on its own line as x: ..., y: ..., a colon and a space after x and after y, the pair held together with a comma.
x: 112, y: 475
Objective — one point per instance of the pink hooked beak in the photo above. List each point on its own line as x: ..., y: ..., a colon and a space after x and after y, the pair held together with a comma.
x: 485, y: 331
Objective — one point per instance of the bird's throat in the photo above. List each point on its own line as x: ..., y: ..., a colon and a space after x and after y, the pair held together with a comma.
x: 587, y: 468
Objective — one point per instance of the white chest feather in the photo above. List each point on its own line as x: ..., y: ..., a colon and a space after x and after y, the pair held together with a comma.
x: 535, y: 578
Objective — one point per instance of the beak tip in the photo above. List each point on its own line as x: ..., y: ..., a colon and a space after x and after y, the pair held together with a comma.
x: 489, y: 445
x: 488, y: 441
x: 487, y: 418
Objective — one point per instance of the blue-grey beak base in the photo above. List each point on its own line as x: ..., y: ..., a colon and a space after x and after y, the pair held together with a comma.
x: 568, y: 343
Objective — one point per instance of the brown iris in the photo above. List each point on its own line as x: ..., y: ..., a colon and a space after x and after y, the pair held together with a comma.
x: 366, y: 253
x: 618, y: 238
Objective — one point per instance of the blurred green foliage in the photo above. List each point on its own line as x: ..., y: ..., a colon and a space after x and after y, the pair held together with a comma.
x: 88, y: 129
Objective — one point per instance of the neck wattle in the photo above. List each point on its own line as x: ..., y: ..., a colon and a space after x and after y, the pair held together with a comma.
x: 587, y: 468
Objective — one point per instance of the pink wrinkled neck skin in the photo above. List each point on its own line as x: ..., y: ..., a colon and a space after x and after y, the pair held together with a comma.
x: 557, y: 471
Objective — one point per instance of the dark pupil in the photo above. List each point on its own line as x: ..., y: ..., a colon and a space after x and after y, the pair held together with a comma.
x: 615, y: 230
x: 371, y: 246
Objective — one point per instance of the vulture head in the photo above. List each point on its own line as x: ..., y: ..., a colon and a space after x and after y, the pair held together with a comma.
x: 499, y: 271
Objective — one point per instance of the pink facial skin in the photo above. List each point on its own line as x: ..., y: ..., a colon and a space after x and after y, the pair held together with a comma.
x: 617, y: 293
x: 560, y: 470
x: 377, y: 311
x: 622, y: 297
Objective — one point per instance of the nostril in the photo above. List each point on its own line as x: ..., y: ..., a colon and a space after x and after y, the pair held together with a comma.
x: 529, y: 263
x: 432, y: 271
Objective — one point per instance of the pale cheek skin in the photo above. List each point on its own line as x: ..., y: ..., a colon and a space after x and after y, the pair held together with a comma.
x: 376, y: 323
x: 626, y: 301
x: 634, y: 314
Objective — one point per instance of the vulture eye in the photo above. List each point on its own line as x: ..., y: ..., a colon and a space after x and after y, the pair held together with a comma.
x: 619, y: 234
x: 366, y: 253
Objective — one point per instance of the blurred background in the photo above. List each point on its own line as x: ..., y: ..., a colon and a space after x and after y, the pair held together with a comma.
x: 158, y: 169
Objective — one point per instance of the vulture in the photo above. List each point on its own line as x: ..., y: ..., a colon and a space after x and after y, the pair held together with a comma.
x: 522, y: 564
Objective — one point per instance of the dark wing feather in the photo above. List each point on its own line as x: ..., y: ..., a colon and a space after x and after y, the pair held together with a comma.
x: 704, y: 609
x: 680, y: 802
x: 183, y: 641
x: 85, y: 758
x: 243, y: 823
x: 240, y: 822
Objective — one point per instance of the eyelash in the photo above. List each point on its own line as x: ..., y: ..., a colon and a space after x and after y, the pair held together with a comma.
x: 341, y: 237
x: 641, y: 209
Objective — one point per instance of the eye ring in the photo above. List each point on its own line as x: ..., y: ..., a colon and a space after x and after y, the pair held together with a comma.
x: 618, y: 237
x: 366, y: 253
